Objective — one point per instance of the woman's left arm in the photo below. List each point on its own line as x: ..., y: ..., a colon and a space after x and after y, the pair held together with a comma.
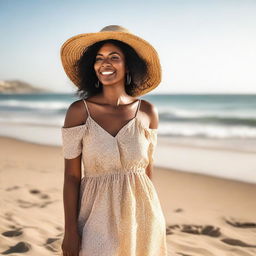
x: 153, y: 124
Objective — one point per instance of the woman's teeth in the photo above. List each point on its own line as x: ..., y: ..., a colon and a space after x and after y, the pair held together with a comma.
x: 107, y: 72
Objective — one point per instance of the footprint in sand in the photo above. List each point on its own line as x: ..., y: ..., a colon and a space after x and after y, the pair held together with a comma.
x: 45, y: 204
x: 20, y: 247
x: 9, y: 216
x: 34, y: 191
x: 44, y: 196
x: 178, y: 210
x: 11, y: 233
x: 212, y: 231
x: 169, y: 229
x: 239, y: 224
x: 12, y: 226
x: 12, y: 188
x: 38, y: 192
x: 236, y: 242
x: 27, y: 204
x: 53, y: 244
x: 59, y: 228
x: 207, y: 230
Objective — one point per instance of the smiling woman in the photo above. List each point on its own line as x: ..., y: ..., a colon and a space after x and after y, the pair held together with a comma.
x: 114, y: 209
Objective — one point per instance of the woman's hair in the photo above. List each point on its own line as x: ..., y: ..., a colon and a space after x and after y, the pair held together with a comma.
x: 87, y: 77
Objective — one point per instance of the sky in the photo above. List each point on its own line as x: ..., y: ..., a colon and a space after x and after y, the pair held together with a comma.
x: 205, y: 46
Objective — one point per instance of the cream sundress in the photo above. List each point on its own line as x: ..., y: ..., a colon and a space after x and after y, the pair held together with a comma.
x: 119, y: 209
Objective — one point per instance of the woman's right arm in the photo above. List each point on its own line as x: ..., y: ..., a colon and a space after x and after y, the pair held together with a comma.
x: 71, y: 188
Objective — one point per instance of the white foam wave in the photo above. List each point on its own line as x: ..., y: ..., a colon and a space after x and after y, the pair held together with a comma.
x: 54, y: 121
x: 34, y: 104
x: 193, y: 113
x: 207, y: 130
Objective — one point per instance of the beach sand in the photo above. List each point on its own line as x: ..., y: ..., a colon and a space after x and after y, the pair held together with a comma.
x: 205, y: 216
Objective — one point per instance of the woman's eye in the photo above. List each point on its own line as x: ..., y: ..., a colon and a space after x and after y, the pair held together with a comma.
x: 101, y: 59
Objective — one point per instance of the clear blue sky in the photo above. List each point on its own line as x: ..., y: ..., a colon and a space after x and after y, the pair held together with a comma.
x: 205, y: 46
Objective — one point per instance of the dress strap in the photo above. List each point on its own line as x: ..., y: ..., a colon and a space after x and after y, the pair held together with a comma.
x: 86, y: 107
x: 138, y: 107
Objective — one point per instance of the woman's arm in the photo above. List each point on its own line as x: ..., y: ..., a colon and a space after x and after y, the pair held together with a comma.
x: 72, y: 241
x: 153, y: 124
x: 71, y: 189
x: 72, y: 176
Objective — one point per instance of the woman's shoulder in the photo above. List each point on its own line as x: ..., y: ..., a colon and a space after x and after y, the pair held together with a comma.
x: 151, y: 112
x: 148, y: 106
x: 76, y: 114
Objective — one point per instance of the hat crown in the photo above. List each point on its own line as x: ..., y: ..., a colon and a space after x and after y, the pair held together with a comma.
x: 114, y: 28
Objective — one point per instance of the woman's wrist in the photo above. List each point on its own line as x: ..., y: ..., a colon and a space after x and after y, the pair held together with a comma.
x: 71, y: 229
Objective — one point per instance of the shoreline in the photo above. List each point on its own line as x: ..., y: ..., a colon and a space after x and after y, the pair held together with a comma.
x: 184, y: 156
x: 247, y: 145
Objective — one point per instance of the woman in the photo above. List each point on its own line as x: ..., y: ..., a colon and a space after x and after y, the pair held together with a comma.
x: 114, y: 209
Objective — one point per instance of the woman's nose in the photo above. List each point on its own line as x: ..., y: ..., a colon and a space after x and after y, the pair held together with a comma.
x: 105, y: 62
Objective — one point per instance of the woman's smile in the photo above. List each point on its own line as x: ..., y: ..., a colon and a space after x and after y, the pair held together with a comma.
x: 107, y: 73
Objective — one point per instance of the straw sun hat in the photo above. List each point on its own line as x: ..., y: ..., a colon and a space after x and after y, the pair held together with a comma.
x: 73, y: 48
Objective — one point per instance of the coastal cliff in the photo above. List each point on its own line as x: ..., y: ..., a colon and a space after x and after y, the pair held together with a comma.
x: 17, y: 86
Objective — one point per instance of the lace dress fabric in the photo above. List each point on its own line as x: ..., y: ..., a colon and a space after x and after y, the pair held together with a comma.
x: 119, y: 209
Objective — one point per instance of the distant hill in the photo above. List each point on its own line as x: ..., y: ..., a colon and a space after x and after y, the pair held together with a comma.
x: 16, y: 86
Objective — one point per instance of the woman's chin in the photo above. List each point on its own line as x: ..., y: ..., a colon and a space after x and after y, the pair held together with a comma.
x: 109, y: 83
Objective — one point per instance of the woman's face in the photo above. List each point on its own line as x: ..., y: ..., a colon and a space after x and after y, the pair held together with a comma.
x: 109, y: 65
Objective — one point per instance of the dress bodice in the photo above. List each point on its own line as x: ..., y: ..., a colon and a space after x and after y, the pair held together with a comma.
x: 132, y: 148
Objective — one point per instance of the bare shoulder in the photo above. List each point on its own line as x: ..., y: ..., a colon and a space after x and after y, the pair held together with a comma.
x: 76, y: 114
x: 151, y: 112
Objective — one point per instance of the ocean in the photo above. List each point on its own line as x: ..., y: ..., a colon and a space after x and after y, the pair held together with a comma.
x: 209, y: 116
x: 218, y: 120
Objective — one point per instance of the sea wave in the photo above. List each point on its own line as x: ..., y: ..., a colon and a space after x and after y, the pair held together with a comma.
x: 206, y: 130
x: 17, y: 105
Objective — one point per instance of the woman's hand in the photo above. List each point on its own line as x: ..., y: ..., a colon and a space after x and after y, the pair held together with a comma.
x: 71, y: 244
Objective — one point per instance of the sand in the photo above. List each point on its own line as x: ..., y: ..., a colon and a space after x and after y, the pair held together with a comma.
x: 205, y: 215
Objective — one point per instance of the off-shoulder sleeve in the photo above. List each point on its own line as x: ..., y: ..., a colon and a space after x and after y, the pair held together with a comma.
x: 152, y: 144
x: 72, y: 141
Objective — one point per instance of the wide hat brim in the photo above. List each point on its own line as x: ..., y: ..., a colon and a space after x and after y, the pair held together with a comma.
x: 73, y: 48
